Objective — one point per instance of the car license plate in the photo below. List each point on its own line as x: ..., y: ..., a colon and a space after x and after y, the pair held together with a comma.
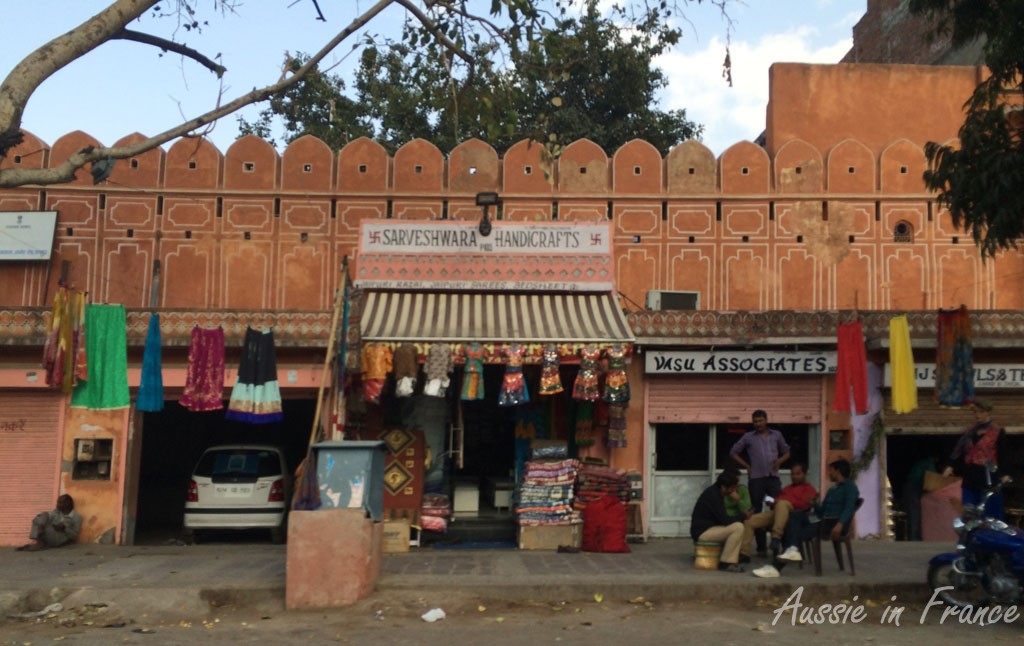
x: 234, y: 491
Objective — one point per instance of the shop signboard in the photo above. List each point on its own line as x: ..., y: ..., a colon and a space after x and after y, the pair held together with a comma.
x: 739, y: 362
x: 514, y: 256
x: 27, y: 235
x: 986, y: 376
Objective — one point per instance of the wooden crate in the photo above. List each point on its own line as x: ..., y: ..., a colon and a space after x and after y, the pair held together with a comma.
x: 396, y: 536
x: 550, y: 537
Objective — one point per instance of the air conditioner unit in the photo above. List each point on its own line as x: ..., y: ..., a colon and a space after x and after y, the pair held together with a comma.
x: 658, y: 299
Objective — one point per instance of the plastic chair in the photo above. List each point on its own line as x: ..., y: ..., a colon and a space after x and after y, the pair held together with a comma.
x: 812, y: 546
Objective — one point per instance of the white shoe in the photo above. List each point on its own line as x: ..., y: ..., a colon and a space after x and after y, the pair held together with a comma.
x: 792, y: 553
x: 766, y: 572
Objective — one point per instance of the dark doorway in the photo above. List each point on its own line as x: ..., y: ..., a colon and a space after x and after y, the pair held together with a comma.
x: 173, y: 440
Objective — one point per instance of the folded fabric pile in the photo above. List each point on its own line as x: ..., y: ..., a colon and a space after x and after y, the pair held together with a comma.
x: 545, y: 493
x: 436, y: 511
x: 596, y: 481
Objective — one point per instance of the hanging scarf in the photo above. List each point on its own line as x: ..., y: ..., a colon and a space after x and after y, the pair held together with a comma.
x: 107, y: 386
x: 151, y: 384
x: 954, y: 361
x: 901, y: 365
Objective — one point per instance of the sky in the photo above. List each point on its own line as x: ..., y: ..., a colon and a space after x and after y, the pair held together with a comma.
x: 124, y: 87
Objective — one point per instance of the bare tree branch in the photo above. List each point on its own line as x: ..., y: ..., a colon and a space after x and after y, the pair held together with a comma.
x: 65, y: 172
x: 38, y: 66
x: 170, y: 46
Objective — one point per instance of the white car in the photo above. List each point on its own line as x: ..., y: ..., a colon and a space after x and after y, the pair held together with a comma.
x: 239, y: 487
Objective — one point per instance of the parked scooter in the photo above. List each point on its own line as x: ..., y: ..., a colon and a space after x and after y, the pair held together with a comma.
x: 988, y: 565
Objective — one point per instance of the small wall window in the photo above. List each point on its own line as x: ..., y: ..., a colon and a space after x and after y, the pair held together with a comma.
x: 248, y: 167
x: 93, y: 457
x: 307, y: 168
x: 903, y: 232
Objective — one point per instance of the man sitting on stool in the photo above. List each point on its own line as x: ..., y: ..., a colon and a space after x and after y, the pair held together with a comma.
x: 55, y: 528
x: 711, y: 523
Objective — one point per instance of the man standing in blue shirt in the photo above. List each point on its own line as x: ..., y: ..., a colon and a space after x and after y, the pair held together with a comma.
x: 766, y: 451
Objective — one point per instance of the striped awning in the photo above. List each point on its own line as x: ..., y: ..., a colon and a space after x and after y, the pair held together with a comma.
x: 493, y: 318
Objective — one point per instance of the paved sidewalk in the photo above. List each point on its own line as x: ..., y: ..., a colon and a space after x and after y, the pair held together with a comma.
x: 193, y: 580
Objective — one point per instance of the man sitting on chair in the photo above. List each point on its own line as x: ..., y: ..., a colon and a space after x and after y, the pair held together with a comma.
x: 836, y: 513
x: 787, y: 517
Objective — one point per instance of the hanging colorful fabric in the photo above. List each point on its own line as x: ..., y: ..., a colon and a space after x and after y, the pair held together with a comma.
x: 616, y: 383
x: 473, y: 372
x: 204, y: 381
x: 151, y: 383
x: 513, y: 387
x: 107, y: 386
x: 851, y: 369
x: 954, y: 360
x: 901, y: 364
x: 256, y: 396
x: 616, y: 426
x: 438, y: 367
x: 376, y: 366
x: 64, y: 353
x: 585, y: 387
x: 406, y: 370
x: 584, y: 431
x: 550, y: 379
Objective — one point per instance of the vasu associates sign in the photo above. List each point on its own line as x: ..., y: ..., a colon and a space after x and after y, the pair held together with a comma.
x: 707, y: 362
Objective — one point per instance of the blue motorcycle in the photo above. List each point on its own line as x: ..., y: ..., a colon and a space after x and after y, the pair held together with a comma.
x: 988, y: 565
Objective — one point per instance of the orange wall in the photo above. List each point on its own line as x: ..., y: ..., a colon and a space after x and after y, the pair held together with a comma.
x: 805, y: 224
x: 98, y: 501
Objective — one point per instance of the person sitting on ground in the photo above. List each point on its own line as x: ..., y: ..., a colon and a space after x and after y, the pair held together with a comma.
x: 55, y: 528
x: 836, y: 513
x: 711, y: 523
x: 787, y: 518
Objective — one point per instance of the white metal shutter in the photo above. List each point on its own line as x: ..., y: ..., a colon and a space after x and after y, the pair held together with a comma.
x: 29, y: 460
x: 708, y: 400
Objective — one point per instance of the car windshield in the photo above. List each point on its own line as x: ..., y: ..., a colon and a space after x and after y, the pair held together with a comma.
x: 239, y: 462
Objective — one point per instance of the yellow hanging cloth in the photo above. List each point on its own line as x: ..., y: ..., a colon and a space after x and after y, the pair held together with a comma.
x: 901, y: 365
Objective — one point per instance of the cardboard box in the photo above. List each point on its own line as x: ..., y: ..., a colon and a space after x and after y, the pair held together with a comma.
x: 396, y: 536
x: 934, y: 481
x: 550, y: 537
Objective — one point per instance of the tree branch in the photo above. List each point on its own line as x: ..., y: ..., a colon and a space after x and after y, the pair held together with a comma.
x: 38, y: 66
x: 427, y: 22
x: 170, y: 46
x: 65, y: 172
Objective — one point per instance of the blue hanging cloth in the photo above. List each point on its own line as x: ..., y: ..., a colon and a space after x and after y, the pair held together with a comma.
x: 151, y: 385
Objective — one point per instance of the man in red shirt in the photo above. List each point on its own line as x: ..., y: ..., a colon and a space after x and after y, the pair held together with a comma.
x: 797, y: 497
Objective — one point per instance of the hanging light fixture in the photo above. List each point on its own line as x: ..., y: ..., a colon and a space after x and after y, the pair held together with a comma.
x: 486, y: 200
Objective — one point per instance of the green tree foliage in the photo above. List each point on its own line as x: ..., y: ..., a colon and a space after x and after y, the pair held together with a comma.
x: 980, y: 180
x: 582, y: 76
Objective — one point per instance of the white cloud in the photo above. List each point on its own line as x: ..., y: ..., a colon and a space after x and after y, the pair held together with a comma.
x: 735, y: 114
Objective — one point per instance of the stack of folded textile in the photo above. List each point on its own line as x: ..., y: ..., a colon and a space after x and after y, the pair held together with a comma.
x: 596, y: 481
x: 436, y: 511
x: 545, y: 493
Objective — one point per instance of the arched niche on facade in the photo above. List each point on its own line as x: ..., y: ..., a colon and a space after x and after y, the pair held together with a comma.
x: 68, y: 145
x: 743, y: 169
x: 583, y: 168
x: 799, y: 168
x: 140, y: 171
x: 307, y: 165
x: 851, y: 168
x: 32, y: 152
x: 692, y: 169
x: 363, y: 167
x: 473, y: 167
x: 901, y: 168
x: 192, y: 163
x: 637, y: 168
x: 419, y: 166
x: 525, y: 170
x: 250, y: 164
